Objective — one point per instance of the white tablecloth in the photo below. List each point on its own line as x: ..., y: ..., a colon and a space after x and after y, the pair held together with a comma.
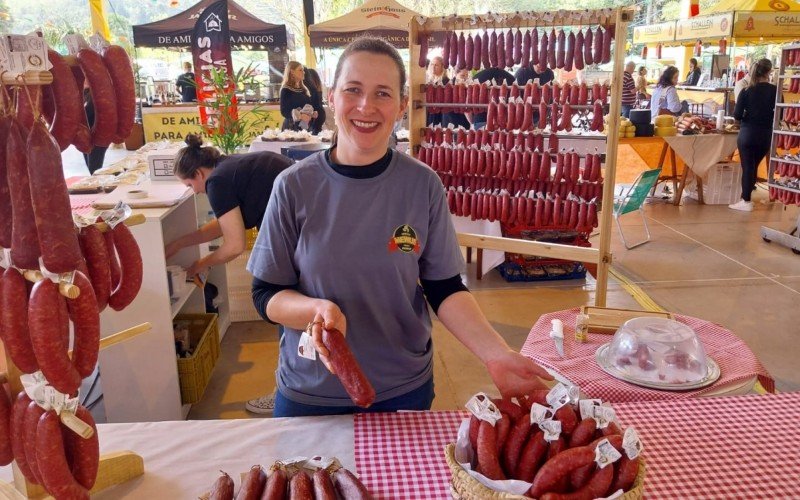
x: 701, y: 152
x: 182, y: 459
x: 491, y: 258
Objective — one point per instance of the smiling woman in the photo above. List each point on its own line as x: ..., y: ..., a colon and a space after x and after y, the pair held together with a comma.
x: 359, y: 239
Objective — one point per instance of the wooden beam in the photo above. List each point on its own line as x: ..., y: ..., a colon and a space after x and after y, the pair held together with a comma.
x: 525, y: 247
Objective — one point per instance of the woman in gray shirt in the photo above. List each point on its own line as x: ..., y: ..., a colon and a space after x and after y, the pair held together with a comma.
x: 360, y: 239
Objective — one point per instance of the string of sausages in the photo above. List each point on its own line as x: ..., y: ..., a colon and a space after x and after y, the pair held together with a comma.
x: 110, y: 80
x: 563, y: 49
x: 514, y: 448
x: 43, y: 241
x: 284, y: 483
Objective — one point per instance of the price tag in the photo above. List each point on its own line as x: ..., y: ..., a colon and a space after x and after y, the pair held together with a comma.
x: 482, y: 407
x: 5, y: 258
x: 75, y: 43
x: 631, y: 443
x: 305, y: 347
x: 540, y: 413
x: 551, y: 429
x: 606, y: 454
x: 587, y: 407
x: 98, y: 43
x: 561, y: 395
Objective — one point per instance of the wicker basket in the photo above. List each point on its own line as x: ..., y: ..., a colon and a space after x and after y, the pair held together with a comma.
x: 194, y: 372
x: 465, y: 487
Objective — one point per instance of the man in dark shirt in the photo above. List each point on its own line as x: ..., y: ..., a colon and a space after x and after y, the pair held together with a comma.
x: 526, y: 73
x: 186, y: 85
x: 486, y: 75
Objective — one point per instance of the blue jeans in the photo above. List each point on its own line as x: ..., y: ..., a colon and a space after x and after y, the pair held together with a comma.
x: 626, y: 110
x: 418, y: 399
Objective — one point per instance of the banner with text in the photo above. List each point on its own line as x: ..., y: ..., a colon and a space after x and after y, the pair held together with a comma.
x: 211, y: 50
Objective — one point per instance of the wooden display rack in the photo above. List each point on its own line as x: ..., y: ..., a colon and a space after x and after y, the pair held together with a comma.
x: 600, y: 256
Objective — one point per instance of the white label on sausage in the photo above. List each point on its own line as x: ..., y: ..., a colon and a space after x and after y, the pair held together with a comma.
x: 631, y: 443
x: 551, y: 429
x: 540, y: 413
x: 482, y: 407
x: 604, y: 415
x: 305, y: 347
x: 5, y: 258
x: 321, y: 462
x: 606, y: 454
x: 587, y: 407
x: 74, y: 43
x: 558, y: 396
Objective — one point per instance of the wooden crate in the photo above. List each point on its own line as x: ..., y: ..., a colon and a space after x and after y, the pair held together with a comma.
x: 607, y: 320
x: 194, y: 372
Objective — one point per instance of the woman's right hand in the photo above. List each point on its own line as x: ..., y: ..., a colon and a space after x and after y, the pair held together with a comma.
x: 327, y: 315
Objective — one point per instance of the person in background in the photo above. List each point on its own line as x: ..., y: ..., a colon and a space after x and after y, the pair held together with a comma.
x: 665, y: 100
x: 186, y: 84
x: 297, y: 107
x: 457, y: 117
x: 628, y: 90
x: 526, y: 73
x: 238, y: 189
x: 743, y: 82
x: 755, y: 109
x: 693, y: 78
x: 323, y: 246
x: 641, y: 84
x: 435, y: 75
x: 314, y: 85
x: 486, y: 75
x: 94, y: 160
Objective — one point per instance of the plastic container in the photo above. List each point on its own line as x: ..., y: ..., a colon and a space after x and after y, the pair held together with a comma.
x: 722, y: 184
x: 658, y: 350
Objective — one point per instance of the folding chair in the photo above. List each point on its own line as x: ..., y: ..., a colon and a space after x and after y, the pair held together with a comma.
x: 633, y: 199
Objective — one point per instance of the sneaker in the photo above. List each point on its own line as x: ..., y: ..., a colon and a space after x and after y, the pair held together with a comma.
x: 744, y: 206
x: 264, y: 405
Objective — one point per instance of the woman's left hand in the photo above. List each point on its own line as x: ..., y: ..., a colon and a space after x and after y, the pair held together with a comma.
x: 516, y: 375
x: 196, y: 268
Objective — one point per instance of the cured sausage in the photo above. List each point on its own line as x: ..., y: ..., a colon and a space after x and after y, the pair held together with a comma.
x: 461, y: 62
x: 588, y: 41
x: 627, y: 471
x: 551, y: 49
x: 323, y: 486
x: 93, y: 248
x: 562, y: 50
x: 446, y: 51
x: 120, y: 70
x: 346, y: 367
x: 509, y: 52
x: 222, y: 488
x: 453, y: 62
x: 6, y: 450
x: 559, y: 467
x: 104, y: 129
x: 83, y: 454
x: 534, y: 47
x: 25, y: 250
x: 422, y: 39
x: 607, y: 38
x: 67, y: 99
x: 578, y: 55
x: 569, y: 52
x: 50, y: 453
x: 275, y: 488
x: 488, y: 457
x: 301, y: 487
x: 493, y: 50
x: 29, y: 102
x: 501, y: 50
x: 583, y: 433
x: 17, y: 435
x: 543, y: 44
x: 14, y: 320
x: 503, y: 426
x: 350, y: 487
x: 485, y: 52
x: 51, y: 206
x: 6, y: 212
x: 44, y: 308
x: 597, y: 51
x: 542, y: 115
x: 130, y: 264
x: 29, y: 426
x: 477, y: 52
x: 85, y: 316
x: 531, y: 456
x: 595, y: 488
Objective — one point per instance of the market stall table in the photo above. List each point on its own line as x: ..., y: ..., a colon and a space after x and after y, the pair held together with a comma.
x: 732, y: 447
x: 700, y: 153
x: 738, y: 364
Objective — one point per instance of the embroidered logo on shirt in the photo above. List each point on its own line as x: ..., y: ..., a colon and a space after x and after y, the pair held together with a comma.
x: 404, y: 239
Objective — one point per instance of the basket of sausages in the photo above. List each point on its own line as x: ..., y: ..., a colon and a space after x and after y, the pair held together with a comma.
x: 317, y: 478
x: 549, y: 445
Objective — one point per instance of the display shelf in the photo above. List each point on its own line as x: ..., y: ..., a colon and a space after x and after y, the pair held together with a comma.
x: 786, y: 132
x: 789, y: 76
x: 787, y: 105
x: 188, y: 290
x: 791, y: 162
x: 782, y: 187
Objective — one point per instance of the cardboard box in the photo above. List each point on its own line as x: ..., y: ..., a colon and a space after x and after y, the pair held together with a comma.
x: 161, y: 163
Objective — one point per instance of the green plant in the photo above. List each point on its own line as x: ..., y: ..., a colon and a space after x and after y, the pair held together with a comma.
x: 226, y: 130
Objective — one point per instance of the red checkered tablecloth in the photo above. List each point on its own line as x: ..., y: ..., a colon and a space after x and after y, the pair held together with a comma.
x: 736, y: 361
x: 401, y: 455
x: 728, y: 447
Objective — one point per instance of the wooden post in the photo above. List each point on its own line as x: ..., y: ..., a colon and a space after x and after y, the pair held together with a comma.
x: 612, y: 143
x: 416, y: 79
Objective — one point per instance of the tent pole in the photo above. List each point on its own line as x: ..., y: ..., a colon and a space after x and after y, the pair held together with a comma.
x: 308, y: 20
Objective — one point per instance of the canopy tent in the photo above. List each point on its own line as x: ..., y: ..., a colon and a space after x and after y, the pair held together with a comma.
x: 385, y: 19
x: 762, y: 20
x: 247, y: 31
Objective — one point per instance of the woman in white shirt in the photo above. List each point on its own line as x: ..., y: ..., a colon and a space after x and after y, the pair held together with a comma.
x: 665, y: 100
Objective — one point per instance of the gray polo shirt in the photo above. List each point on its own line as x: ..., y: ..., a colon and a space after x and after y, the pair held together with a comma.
x: 362, y: 244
